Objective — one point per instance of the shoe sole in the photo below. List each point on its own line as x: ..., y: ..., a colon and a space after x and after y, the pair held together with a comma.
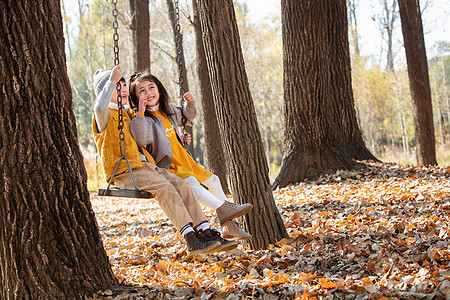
x: 236, y: 237
x: 238, y: 215
x: 226, y: 247
x: 206, y: 250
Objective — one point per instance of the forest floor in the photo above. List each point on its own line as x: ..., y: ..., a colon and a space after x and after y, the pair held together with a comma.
x: 378, y: 233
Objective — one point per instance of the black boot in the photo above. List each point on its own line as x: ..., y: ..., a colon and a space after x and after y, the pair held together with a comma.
x: 196, y: 245
x: 213, y: 235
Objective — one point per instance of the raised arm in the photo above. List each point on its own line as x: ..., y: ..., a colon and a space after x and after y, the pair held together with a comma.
x: 101, y: 105
x: 101, y: 110
x: 189, y: 109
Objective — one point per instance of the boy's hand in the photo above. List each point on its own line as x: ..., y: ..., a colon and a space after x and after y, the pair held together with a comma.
x: 142, y: 104
x: 116, y: 74
x: 188, y: 97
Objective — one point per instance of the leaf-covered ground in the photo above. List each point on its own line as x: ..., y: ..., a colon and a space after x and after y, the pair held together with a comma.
x: 378, y: 233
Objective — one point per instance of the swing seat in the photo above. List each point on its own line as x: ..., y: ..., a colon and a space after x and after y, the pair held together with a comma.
x: 116, y: 192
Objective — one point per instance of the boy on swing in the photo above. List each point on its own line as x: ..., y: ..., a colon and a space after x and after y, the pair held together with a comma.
x: 174, y: 196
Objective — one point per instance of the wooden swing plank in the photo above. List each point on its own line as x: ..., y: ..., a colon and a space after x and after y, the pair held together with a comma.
x: 115, y: 192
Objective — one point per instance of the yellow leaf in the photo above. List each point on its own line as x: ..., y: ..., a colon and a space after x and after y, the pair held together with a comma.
x: 366, y: 281
x: 282, y: 242
x: 327, y: 283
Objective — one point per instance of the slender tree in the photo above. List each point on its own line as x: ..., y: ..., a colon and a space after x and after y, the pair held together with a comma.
x: 419, y: 82
x: 140, y: 27
x: 178, y: 40
x: 244, y: 152
x: 388, y: 18
x: 352, y: 5
x: 215, y: 159
x: 343, y: 104
x: 313, y: 140
x: 50, y: 245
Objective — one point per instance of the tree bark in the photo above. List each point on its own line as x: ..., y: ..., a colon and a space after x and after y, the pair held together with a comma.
x: 419, y: 82
x: 343, y: 111
x: 50, y: 243
x: 313, y: 141
x: 180, y: 57
x: 244, y: 152
x: 215, y: 159
x: 140, y: 25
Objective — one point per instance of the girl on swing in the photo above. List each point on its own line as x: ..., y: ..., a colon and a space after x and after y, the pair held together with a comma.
x: 155, y: 128
x: 173, y: 194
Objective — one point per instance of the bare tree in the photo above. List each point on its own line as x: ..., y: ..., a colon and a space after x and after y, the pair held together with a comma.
x: 244, y: 152
x: 419, y: 82
x: 320, y: 120
x: 388, y: 19
x: 50, y: 243
x: 215, y: 159
x: 343, y: 107
x: 352, y: 22
x: 181, y: 62
x: 140, y: 27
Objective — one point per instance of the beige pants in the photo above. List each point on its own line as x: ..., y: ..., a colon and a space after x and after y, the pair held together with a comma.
x: 173, y: 194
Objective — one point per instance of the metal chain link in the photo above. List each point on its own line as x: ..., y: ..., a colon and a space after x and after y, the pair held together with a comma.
x: 180, y: 67
x: 119, y: 85
x: 120, y: 109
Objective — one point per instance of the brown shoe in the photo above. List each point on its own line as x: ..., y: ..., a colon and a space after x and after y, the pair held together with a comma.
x: 234, y: 231
x: 213, y: 235
x: 196, y: 245
x: 229, y: 211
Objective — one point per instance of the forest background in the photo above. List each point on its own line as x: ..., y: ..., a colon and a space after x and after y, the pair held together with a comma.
x: 379, y: 72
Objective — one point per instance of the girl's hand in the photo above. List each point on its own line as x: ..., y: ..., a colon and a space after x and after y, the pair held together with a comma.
x: 187, y: 138
x: 142, y: 105
x: 188, y: 97
x: 116, y: 74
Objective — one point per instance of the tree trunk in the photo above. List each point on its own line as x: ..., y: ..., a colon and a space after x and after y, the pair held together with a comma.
x: 140, y: 26
x: 388, y: 20
x: 244, y: 152
x: 215, y: 160
x: 313, y: 141
x: 50, y: 243
x: 180, y: 57
x: 352, y: 5
x: 419, y: 82
x: 447, y: 106
x: 343, y: 111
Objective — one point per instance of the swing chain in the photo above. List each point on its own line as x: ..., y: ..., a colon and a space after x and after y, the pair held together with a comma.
x: 179, y: 48
x: 118, y: 86
x: 137, y: 193
x: 115, y: 35
x: 180, y: 66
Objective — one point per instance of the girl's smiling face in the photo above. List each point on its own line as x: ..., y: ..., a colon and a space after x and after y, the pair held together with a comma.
x: 148, y: 91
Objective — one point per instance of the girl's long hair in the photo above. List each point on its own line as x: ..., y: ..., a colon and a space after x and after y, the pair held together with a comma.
x: 164, y: 98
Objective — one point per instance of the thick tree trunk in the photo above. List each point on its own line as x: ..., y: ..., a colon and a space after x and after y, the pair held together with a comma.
x: 343, y: 104
x: 419, y: 82
x: 50, y: 244
x: 215, y: 159
x: 140, y: 23
x: 244, y: 152
x: 180, y: 57
x: 313, y: 145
